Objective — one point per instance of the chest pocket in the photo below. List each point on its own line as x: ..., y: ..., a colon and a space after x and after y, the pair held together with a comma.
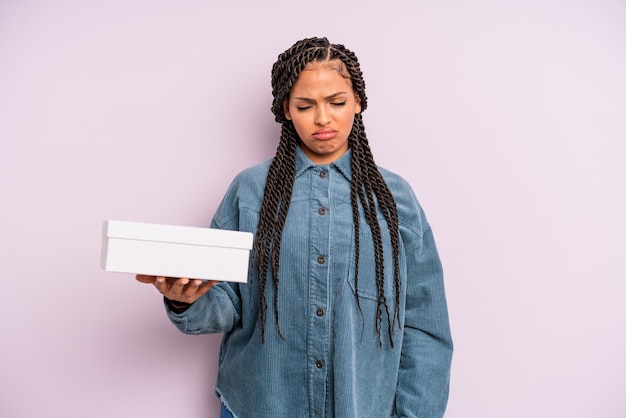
x: 367, y: 263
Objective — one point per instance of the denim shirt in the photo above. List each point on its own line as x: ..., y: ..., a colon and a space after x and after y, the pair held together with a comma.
x: 331, y: 362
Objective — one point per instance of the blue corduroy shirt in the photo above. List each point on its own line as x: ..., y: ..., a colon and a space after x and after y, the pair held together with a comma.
x: 331, y: 362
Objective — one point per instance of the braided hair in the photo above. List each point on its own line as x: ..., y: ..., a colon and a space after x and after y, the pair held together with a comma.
x: 368, y: 188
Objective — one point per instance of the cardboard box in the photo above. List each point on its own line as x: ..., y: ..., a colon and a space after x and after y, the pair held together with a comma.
x: 175, y: 251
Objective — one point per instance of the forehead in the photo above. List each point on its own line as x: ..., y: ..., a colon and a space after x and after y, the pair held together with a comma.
x: 322, y: 77
x: 335, y: 64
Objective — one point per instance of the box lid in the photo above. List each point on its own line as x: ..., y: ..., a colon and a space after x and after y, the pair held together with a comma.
x: 177, y: 234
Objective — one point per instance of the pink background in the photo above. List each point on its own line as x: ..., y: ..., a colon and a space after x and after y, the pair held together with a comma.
x: 507, y: 117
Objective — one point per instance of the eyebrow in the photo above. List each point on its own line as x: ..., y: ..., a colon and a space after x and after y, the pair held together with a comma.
x: 332, y: 96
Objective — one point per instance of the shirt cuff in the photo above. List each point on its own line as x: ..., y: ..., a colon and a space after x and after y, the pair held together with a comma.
x: 176, y: 306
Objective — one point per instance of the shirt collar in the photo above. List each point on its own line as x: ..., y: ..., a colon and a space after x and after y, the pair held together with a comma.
x: 343, y: 164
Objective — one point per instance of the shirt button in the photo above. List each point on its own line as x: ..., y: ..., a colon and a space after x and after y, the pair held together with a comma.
x: 322, y: 211
x: 320, y: 312
x: 319, y: 364
x: 323, y: 174
x: 321, y: 259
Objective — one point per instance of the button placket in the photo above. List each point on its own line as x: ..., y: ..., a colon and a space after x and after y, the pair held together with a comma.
x: 317, y: 348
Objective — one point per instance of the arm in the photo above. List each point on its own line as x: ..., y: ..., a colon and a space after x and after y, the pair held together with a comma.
x: 424, y: 375
x: 219, y: 309
x: 194, y: 306
x: 216, y: 311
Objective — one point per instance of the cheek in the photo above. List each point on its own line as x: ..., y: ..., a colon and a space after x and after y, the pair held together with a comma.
x: 348, y: 119
x: 299, y: 124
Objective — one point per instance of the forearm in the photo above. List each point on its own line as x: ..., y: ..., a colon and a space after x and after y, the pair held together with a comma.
x: 424, y: 375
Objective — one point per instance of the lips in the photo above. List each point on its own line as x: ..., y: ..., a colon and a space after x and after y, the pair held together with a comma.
x: 325, y: 134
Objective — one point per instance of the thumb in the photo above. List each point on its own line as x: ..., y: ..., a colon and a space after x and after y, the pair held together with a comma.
x: 145, y: 279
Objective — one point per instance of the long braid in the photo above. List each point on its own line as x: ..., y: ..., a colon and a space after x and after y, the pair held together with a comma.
x: 276, y: 198
x: 368, y: 186
x: 373, y: 192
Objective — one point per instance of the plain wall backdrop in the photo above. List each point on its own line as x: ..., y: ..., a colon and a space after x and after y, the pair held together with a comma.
x: 507, y: 117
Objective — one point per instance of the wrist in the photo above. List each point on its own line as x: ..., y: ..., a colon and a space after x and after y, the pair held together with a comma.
x: 177, y: 306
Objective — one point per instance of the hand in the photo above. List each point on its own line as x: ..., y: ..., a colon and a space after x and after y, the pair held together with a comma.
x: 178, y: 289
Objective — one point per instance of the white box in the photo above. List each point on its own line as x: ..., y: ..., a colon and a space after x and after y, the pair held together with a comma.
x: 175, y: 251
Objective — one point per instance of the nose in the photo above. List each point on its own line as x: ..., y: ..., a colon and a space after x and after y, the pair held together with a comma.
x: 322, y: 116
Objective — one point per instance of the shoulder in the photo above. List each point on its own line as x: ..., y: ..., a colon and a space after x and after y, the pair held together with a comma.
x: 245, y: 192
x: 250, y: 181
x: 397, y: 184
x: 254, y: 173
x: 410, y: 213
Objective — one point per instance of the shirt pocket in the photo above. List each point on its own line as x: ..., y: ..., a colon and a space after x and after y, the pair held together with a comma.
x: 367, y: 263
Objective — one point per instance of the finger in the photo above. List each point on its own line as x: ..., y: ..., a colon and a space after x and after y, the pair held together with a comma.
x: 177, y: 287
x: 196, y: 289
x: 190, y: 290
x: 206, y: 286
x: 145, y: 279
x: 161, y: 284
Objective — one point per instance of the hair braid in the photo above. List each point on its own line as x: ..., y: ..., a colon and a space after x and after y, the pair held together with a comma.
x: 373, y: 193
x: 276, y: 198
x: 368, y: 188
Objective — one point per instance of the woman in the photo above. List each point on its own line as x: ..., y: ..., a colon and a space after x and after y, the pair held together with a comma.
x: 344, y: 265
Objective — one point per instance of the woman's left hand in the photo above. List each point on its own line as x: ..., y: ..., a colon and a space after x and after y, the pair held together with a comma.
x: 178, y: 289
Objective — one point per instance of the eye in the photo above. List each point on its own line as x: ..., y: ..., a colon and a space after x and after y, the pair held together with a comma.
x: 339, y: 103
x: 303, y: 108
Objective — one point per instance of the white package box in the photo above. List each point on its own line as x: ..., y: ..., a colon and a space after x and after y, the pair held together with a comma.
x: 175, y: 251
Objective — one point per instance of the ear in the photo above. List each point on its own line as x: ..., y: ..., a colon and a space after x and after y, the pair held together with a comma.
x: 357, y: 104
x: 286, y: 109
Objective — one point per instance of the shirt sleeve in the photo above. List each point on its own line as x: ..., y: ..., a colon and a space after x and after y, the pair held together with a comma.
x: 426, y: 356
x: 218, y: 310
x: 176, y: 306
x: 424, y: 375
